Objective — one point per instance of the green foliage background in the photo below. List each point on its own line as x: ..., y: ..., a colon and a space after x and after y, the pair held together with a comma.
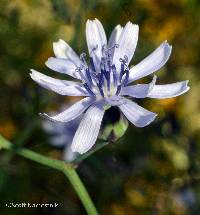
x: 154, y: 170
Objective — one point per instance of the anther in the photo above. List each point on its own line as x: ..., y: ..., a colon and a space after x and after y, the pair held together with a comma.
x: 118, y: 89
x: 93, y: 49
x: 100, y: 78
x: 88, y: 89
x: 125, y: 82
x: 83, y: 58
x: 114, y: 71
x: 121, y: 72
x: 79, y: 70
x: 116, y: 45
x: 92, y: 64
x: 100, y: 90
x: 124, y: 60
x: 88, y: 75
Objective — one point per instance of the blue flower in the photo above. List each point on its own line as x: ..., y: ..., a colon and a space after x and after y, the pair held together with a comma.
x: 104, y: 81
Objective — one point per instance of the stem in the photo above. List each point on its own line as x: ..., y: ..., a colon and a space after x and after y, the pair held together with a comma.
x: 67, y: 169
x: 81, y: 191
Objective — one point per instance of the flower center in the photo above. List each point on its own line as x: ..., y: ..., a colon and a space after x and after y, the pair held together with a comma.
x: 101, y: 77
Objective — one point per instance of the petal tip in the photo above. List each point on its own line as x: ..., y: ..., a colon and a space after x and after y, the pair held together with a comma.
x: 95, y: 19
x: 48, y: 61
x: 167, y: 45
x: 148, y: 120
x: 33, y: 74
x: 88, y: 21
x: 58, y: 42
x: 185, y: 86
x: 33, y: 71
x: 46, y: 116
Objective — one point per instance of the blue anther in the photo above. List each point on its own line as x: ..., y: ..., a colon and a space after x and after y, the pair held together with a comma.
x: 88, y: 75
x: 121, y: 72
x: 100, y: 78
x: 107, y: 75
x: 114, y: 71
x: 125, y: 59
x: 118, y: 89
x: 79, y: 70
x: 83, y: 58
x: 88, y: 89
x: 103, y: 49
x: 92, y: 64
x: 125, y: 82
x: 100, y: 90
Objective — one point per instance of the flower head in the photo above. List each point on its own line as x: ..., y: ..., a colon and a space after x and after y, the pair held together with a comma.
x: 105, y: 80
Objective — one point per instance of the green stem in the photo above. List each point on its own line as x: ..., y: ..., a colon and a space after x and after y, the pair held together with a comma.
x: 67, y: 169
x: 81, y: 191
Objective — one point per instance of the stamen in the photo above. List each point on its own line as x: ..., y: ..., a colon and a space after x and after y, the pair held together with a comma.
x: 124, y: 67
x: 125, y: 82
x: 112, y: 47
x: 100, y: 78
x: 108, y: 51
x: 114, y: 74
x: 100, y: 90
x: 103, y: 49
x: 121, y: 72
x: 105, y: 72
x: 92, y: 64
x: 94, y: 49
x: 119, y: 87
x: 79, y: 70
x: 88, y: 75
x: 88, y: 89
x: 107, y: 75
x: 116, y: 45
x: 124, y: 60
x: 93, y: 75
x: 83, y: 58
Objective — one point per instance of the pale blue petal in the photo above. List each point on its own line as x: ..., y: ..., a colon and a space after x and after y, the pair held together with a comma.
x: 127, y: 44
x: 115, y: 35
x: 61, y: 87
x: 114, y: 39
x: 63, y: 50
x: 136, y: 114
x: 72, y: 112
x: 152, y: 63
x: 96, y: 40
x: 169, y: 90
x: 63, y: 66
x: 138, y: 90
x: 88, y: 130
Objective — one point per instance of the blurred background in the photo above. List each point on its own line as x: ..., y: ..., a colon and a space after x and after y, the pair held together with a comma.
x: 153, y: 170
